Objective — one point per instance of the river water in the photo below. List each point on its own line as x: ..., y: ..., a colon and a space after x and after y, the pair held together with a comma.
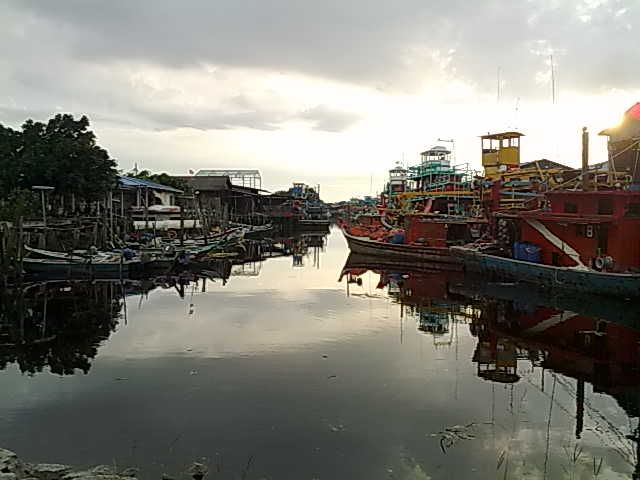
x: 287, y: 371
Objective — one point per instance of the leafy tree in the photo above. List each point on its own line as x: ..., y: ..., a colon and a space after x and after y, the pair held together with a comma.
x: 62, y: 153
x: 162, y: 178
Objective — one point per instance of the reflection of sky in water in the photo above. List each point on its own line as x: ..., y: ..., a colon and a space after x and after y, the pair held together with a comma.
x: 286, y: 369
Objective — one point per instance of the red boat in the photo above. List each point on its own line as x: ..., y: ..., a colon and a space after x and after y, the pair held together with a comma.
x: 426, y: 239
x: 582, y: 241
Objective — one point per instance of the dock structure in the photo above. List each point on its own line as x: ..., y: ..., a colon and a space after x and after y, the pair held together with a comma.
x: 239, y: 177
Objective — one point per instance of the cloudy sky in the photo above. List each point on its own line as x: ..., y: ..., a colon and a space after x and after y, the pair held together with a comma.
x: 331, y: 92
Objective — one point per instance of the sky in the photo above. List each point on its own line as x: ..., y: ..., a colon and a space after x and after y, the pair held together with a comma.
x: 331, y: 93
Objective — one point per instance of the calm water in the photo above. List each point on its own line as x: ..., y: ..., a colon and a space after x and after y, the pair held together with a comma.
x: 285, y: 372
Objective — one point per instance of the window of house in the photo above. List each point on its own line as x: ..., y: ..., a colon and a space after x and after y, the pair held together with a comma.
x: 570, y: 207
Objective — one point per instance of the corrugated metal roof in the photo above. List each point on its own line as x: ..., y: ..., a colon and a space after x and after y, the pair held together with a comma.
x: 130, y: 182
x: 207, y: 183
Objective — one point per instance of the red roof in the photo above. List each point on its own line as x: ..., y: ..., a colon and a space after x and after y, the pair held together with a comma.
x: 634, y: 111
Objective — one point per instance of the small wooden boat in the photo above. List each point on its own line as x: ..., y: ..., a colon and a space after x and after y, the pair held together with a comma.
x: 431, y: 257
x: 52, y: 264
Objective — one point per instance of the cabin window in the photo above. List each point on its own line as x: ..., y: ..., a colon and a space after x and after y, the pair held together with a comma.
x: 603, y: 239
x: 633, y: 210
x: 605, y: 206
x: 570, y: 207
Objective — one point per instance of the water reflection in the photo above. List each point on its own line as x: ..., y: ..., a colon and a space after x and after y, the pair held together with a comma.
x: 412, y: 374
x: 61, y: 324
x: 523, y: 335
x: 57, y: 325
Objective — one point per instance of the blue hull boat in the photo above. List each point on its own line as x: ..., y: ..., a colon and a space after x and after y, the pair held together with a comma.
x: 625, y: 285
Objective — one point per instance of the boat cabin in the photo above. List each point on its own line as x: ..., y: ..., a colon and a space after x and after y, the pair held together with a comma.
x: 441, y: 231
x: 598, y: 230
x: 397, y: 180
x: 500, y: 153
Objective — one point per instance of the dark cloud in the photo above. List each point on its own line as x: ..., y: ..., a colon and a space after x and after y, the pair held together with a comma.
x: 390, y: 45
x: 74, y: 55
x: 327, y: 119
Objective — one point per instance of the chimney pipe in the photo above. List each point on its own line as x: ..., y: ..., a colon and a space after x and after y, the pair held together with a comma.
x: 585, y: 159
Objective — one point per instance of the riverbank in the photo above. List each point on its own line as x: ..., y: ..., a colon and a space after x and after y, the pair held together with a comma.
x: 12, y: 468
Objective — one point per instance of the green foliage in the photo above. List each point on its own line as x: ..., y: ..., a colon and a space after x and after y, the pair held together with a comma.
x: 62, y: 153
x: 161, y: 178
x: 18, y: 203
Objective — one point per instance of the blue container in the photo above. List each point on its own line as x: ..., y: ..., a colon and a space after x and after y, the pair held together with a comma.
x: 531, y: 252
x: 517, y: 251
x: 397, y: 238
x: 527, y: 252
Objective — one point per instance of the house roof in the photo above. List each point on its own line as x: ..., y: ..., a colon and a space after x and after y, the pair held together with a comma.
x: 207, y: 183
x: 131, y: 182
x: 502, y: 135
x: 545, y: 163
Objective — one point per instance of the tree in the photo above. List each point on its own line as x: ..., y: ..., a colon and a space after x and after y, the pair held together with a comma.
x: 161, y: 178
x: 62, y: 153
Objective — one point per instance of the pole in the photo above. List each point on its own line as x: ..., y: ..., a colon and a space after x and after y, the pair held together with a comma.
x: 553, y: 80
x: 182, y: 224
x: 579, y: 408
x: 585, y: 159
x: 44, y: 208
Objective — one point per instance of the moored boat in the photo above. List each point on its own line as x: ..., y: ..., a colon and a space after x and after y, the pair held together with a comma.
x: 60, y: 268
x: 581, y: 241
x: 439, y: 256
x: 548, y: 276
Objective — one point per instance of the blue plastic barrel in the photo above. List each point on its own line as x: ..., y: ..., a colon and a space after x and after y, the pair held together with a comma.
x: 517, y: 251
x: 531, y: 252
x: 397, y: 238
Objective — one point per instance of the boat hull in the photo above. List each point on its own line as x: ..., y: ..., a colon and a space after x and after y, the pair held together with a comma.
x: 61, y: 269
x: 428, y: 257
x: 547, y: 276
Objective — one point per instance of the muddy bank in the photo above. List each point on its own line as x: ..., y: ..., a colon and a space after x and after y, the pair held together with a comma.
x: 12, y: 468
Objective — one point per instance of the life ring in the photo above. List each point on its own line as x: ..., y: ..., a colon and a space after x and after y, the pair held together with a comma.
x: 172, y: 233
x: 599, y: 263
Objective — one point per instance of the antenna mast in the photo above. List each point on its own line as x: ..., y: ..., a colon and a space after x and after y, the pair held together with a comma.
x: 553, y: 80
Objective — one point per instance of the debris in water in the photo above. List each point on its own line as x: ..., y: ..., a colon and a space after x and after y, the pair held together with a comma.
x: 336, y: 428
x: 325, y: 356
x: 332, y: 376
x: 193, y: 372
x: 198, y: 470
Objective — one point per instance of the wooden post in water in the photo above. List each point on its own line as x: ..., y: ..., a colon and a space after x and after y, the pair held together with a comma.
x: 18, y: 250
x: 146, y: 208
x: 182, y: 221
x: 585, y: 160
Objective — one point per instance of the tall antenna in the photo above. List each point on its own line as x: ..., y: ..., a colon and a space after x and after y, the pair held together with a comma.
x: 553, y: 80
x: 498, y: 86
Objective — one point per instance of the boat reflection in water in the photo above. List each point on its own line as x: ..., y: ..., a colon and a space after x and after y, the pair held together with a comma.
x: 59, y: 325
x: 594, y: 341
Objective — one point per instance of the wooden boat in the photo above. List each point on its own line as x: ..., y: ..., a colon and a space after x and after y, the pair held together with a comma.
x: 425, y: 255
x: 52, y: 264
x: 582, y: 241
x: 59, y: 268
x: 583, y: 280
